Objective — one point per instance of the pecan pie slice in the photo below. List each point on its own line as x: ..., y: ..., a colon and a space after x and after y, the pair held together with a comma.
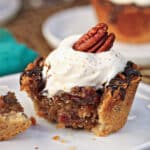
x: 102, y: 110
x: 13, y: 120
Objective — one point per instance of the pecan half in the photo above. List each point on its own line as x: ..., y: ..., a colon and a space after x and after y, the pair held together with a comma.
x: 95, y: 40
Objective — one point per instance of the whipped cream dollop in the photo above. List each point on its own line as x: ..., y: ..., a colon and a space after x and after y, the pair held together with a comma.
x: 66, y: 68
x: 137, y: 2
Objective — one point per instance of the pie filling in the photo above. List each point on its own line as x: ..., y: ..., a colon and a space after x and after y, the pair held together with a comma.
x: 8, y: 103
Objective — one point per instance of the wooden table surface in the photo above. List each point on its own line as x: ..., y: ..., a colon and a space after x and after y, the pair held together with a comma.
x: 26, y: 27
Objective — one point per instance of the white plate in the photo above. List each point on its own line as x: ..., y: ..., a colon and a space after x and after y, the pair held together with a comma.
x: 135, y: 134
x: 78, y: 20
x: 8, y: 9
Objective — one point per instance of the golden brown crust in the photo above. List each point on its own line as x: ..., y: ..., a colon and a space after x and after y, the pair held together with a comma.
x: 113, y: 111
x: 129, y: 22
x: 12, y: 124
x: 12, y: 118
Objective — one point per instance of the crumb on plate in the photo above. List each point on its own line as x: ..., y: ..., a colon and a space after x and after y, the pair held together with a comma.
x: 56, y: 138
x: 33, y: 120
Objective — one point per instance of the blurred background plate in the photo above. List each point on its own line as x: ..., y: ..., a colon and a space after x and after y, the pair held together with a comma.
x: 77, y: 21
x: 8, y: 9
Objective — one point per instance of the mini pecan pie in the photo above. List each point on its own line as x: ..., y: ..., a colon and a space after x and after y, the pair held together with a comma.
x: 12, y: 118
x: 128, y: 19
x: 83, y: 83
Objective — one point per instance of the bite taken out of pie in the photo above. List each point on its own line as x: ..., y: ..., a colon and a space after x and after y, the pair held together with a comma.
x: 83, y: 83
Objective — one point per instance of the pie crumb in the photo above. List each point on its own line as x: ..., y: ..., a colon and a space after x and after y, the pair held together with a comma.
x: 56, y: 138
x: 33, y: 120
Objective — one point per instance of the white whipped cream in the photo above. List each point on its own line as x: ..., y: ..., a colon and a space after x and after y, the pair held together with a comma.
x: 70, y: 68
x: 137, y: 2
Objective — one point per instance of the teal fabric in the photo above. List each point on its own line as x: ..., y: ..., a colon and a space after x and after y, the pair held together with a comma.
x: 14, y: 56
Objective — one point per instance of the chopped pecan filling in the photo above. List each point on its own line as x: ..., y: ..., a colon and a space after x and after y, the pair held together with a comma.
x: 76, y: 109
x: 9, y: 103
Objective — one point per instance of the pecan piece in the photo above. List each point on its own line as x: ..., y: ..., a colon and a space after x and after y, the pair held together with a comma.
x: 95, y: 40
